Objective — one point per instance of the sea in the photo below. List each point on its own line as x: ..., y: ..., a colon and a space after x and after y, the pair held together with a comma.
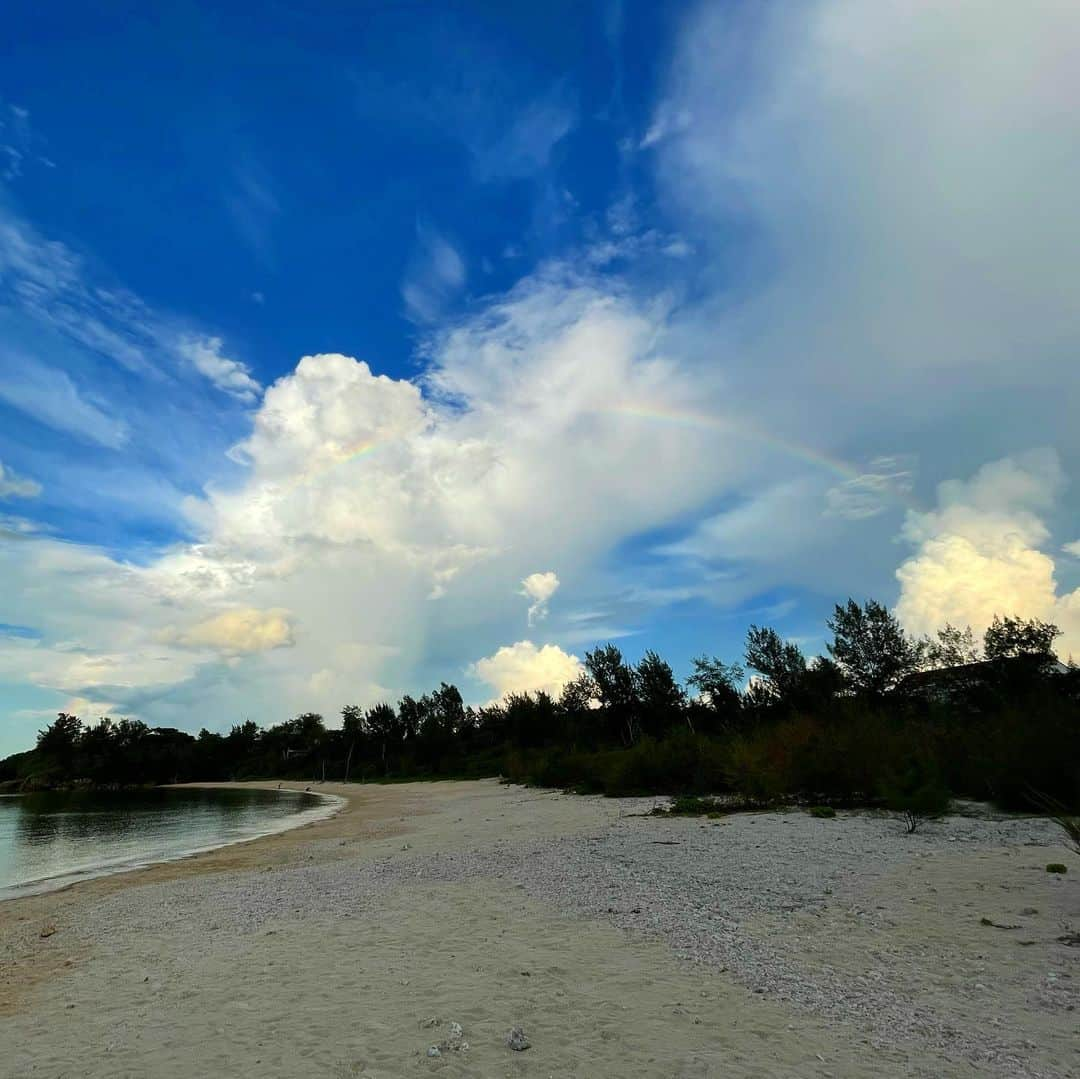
x: 51, y: 839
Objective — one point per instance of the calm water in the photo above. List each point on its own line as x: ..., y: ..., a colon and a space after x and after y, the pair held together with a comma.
x: 50, y: 839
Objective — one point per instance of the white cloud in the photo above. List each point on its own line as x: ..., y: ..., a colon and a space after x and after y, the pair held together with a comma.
x: 979, y: 552
x: 52, y: 398
x: 524, y: 668
x: 914, y: 242
x: 888, y: 480
x: 910, y: 279
x: 668, y: 120
x: 57, y: 288
x: 13, y: 485
x: 524, y: 147
x: 243, y: 629
x: 539, y: 587
x: 435, y: 276
x: 1072, y: 548
x: 360, y: 499
x: 228, y: 375
x: 253, y: 205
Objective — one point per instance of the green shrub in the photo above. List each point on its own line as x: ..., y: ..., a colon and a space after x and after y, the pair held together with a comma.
x: 689, y: 805
x: 917, y: 791
x: 1057, y: 867
x: 824, y: 812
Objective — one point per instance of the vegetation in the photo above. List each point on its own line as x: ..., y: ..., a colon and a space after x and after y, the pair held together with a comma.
x: 883, y: 719
x: 822, y: 812
x: 1057, y: 867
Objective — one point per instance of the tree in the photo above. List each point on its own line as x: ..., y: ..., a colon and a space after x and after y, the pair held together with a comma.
x: 871, y: 647
x: 578, y: 696
x: 952, y: 647
x: 718, y: 685
x: 781, y: 664
x: 661, y: 700
x: 531, y: 719
x: 383, y: 725
x: 822, y: 683
x: 442, y: 719
x: 60, y: 738
x: 352, y: 730
x: 411, y: 715
x: 1008, y: 638
x: 615, y: 689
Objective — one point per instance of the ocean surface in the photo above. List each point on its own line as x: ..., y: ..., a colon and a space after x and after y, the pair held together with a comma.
x: 51, y: 839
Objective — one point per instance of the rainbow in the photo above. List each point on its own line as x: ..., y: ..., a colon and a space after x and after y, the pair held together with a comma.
x: 743, y: 428
x: 684, y: 417
x: 335, y: 459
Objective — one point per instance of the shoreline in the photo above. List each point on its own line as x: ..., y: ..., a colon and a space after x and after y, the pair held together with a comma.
x: 764, y: 944
x: 335, y: 803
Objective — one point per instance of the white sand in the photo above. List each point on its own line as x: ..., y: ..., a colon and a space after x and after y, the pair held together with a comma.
x: 761, y: 945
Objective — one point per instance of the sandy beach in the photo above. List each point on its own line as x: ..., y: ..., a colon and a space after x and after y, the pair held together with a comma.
x: 757, y: 945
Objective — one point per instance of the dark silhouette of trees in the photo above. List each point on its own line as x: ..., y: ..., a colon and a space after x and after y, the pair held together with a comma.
x: 881, y: 719
x: 719, y: 706
x: 59, y: 740
x: 1012, y: 637
x: 613, y: 685
x: 952, y: 647
x: 780, y: 664
x: 871, y: 648
x: 385, y: 728
x: 661, y: 701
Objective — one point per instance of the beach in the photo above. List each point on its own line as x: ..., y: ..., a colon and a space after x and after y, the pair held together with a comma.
x: 765, y: 944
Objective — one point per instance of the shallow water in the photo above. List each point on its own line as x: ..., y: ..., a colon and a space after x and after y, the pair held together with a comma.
x: 50, y: 839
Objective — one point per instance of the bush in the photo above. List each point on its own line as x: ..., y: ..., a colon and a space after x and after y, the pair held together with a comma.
x: 824, y: 812
x: 918, y: 793
x: 690, y: 805
x: 1057, y: 867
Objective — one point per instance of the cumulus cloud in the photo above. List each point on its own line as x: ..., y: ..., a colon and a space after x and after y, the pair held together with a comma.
x: 907, y: 245
x: 13, y: 485
x: 539, y: 587
x: 524, y: 668
x: 230, y: 376
x: 244, y: 629
x: 361, y: 497
x: 979, y: 553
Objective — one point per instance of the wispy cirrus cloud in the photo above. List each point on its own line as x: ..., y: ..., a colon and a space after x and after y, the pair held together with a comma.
x: 523, y: 144
x: 56, y: 287
x: 49, y: 396
x: 253, y: 204
x: 20, y: 145
x: 12, y: 485
x: 886, y: 481
x: 434, y: 277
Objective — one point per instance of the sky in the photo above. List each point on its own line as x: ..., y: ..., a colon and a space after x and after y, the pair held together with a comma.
x: 347, y: 349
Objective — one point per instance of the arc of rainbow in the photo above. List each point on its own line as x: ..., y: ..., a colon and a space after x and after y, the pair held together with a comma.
x: 729, y: 425
x: 329, y: 461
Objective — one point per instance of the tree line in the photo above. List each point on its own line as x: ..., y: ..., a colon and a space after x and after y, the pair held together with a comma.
x: 883, y: 718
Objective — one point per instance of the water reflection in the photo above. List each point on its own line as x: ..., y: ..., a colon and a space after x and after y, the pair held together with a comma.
x: 64, y: 834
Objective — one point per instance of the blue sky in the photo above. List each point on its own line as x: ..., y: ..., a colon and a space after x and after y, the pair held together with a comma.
x: 692, y: 315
